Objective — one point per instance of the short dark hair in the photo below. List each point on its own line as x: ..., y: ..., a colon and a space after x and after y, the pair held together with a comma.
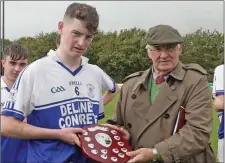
x: 85, y: 13
x: 16, y: 52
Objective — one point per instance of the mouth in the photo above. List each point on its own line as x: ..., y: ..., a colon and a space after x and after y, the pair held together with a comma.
x: 164, y: 61
x: 78, y: 49
x: 15, y: 75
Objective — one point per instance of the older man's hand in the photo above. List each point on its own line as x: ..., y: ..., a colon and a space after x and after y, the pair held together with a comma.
x: 140, y: 155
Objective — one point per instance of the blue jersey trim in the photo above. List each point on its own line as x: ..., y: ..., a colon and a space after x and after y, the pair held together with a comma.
x: 67, y: 100
x: 72, y: 72
x: 7, y: 89
x: 220, y: 114
x: 221, y: 128
x: 114, y: 87
x: 14, y: 113
x: 219, y: 92
x: 101, y: 116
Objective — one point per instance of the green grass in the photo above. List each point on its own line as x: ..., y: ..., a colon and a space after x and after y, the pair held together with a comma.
x: 109, y: 110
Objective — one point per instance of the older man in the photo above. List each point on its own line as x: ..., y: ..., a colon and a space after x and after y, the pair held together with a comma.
x: 166, y: 109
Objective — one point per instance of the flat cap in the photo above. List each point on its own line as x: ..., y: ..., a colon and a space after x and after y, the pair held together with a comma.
x: 163, y: 34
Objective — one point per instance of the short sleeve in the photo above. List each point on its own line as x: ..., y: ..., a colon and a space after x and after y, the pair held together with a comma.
x: 218, y: 81
x: 19, y: 102
x: 107, y: 82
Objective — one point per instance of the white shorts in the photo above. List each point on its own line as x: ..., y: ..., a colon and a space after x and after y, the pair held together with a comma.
x: 220, y: 150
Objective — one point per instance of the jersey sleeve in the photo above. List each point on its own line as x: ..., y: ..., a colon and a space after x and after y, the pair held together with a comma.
x: 19, y: 102
x: 219, y: 88
x: 214, y: 85
x: 107, y: 82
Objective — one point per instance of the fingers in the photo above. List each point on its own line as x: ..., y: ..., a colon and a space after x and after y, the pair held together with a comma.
x: 133, y: 153
x: 135, y: 156
x: 121, y: 129
x: 77, y: 141
x: 111, y: 126
x: 135, y: 159
x: 78, y: 130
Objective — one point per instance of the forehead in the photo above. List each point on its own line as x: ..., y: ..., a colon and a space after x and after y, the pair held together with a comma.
x: 74, y: 24
x: 162, y: 46
x: 9, y: 59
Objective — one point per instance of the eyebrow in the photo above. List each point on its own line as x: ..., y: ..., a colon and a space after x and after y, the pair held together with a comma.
x: 12, y: 61
x: 89, y: 34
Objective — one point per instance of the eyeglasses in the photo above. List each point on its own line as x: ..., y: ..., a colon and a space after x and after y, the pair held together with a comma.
x: 167, y: 48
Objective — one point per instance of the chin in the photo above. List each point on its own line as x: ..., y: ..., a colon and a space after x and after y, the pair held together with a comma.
x: 165, y: 68
x: 75, y: 54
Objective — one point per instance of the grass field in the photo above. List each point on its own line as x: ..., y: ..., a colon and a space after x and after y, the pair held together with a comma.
x: 109, y: 110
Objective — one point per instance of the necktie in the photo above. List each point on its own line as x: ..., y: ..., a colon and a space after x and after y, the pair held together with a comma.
x: 159, y: 80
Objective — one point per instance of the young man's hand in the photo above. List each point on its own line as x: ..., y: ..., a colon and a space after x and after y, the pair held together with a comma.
x: 124, y: 131
x: 70, y: 135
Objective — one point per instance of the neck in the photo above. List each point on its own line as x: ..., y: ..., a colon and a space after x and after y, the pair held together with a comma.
x: 160, y: 73
x: 8, y: 82
x: 71, y: 62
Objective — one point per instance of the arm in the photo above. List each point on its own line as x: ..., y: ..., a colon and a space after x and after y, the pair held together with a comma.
x: 109, y: 85
x: 117, y: 119
x: 19, y: 104
x: 15, y: 128
x: 219, y: 103
x: 108, y: 96
x: 195, y: 134
x: 12, y: 127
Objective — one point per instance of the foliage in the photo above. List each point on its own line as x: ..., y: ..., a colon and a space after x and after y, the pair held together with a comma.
x: 122, y: 53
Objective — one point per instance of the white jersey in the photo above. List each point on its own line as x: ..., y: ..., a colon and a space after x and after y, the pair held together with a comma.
x: 4, y: 92
x: 52, y: 96
x: 218, y: 85
x: 10, y: 146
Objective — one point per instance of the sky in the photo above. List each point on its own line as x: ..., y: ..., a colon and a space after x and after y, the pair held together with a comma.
x: 29, y: 18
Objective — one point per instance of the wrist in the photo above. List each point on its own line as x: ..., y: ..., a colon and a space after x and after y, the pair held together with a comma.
x: 56, y: 134
x: 156, y: 156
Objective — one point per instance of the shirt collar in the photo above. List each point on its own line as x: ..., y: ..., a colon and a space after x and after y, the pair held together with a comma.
x: 53, y: 55
x: 155, y: 75
x: 3, y: 84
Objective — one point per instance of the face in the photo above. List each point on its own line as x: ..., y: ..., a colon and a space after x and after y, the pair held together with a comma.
x: 12, y: 68
x: 75, y: 38
x: 164, y: 58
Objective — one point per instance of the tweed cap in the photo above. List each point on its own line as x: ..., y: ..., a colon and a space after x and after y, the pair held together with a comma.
x: 163, y: 34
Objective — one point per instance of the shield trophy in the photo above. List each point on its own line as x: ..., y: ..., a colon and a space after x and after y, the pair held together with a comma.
x: 103, y: 144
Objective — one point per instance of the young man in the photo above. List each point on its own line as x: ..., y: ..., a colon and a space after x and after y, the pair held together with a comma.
x: 15, y: 58
x: 218, y: 96
x: 59, y: 93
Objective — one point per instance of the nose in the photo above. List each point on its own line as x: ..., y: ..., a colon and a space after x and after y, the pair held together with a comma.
x: 81, y: 41
x: 18, y: 68
x: 164, y: 54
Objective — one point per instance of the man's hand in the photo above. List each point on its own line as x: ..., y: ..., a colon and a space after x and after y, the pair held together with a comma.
x: 124, y: 131
x: 69, y: 135
x: 140, y: 155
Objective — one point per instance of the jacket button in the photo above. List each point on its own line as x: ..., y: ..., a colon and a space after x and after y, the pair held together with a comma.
x: 133, y: 96
x: 166, y: 116
x: 129, y: 125
x: 173, y: 87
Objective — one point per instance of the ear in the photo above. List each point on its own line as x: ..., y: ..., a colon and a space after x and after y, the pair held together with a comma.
x: 180, y: 49
x: 149, y: 54
x: 60, y: 27
x: 3, y: 63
